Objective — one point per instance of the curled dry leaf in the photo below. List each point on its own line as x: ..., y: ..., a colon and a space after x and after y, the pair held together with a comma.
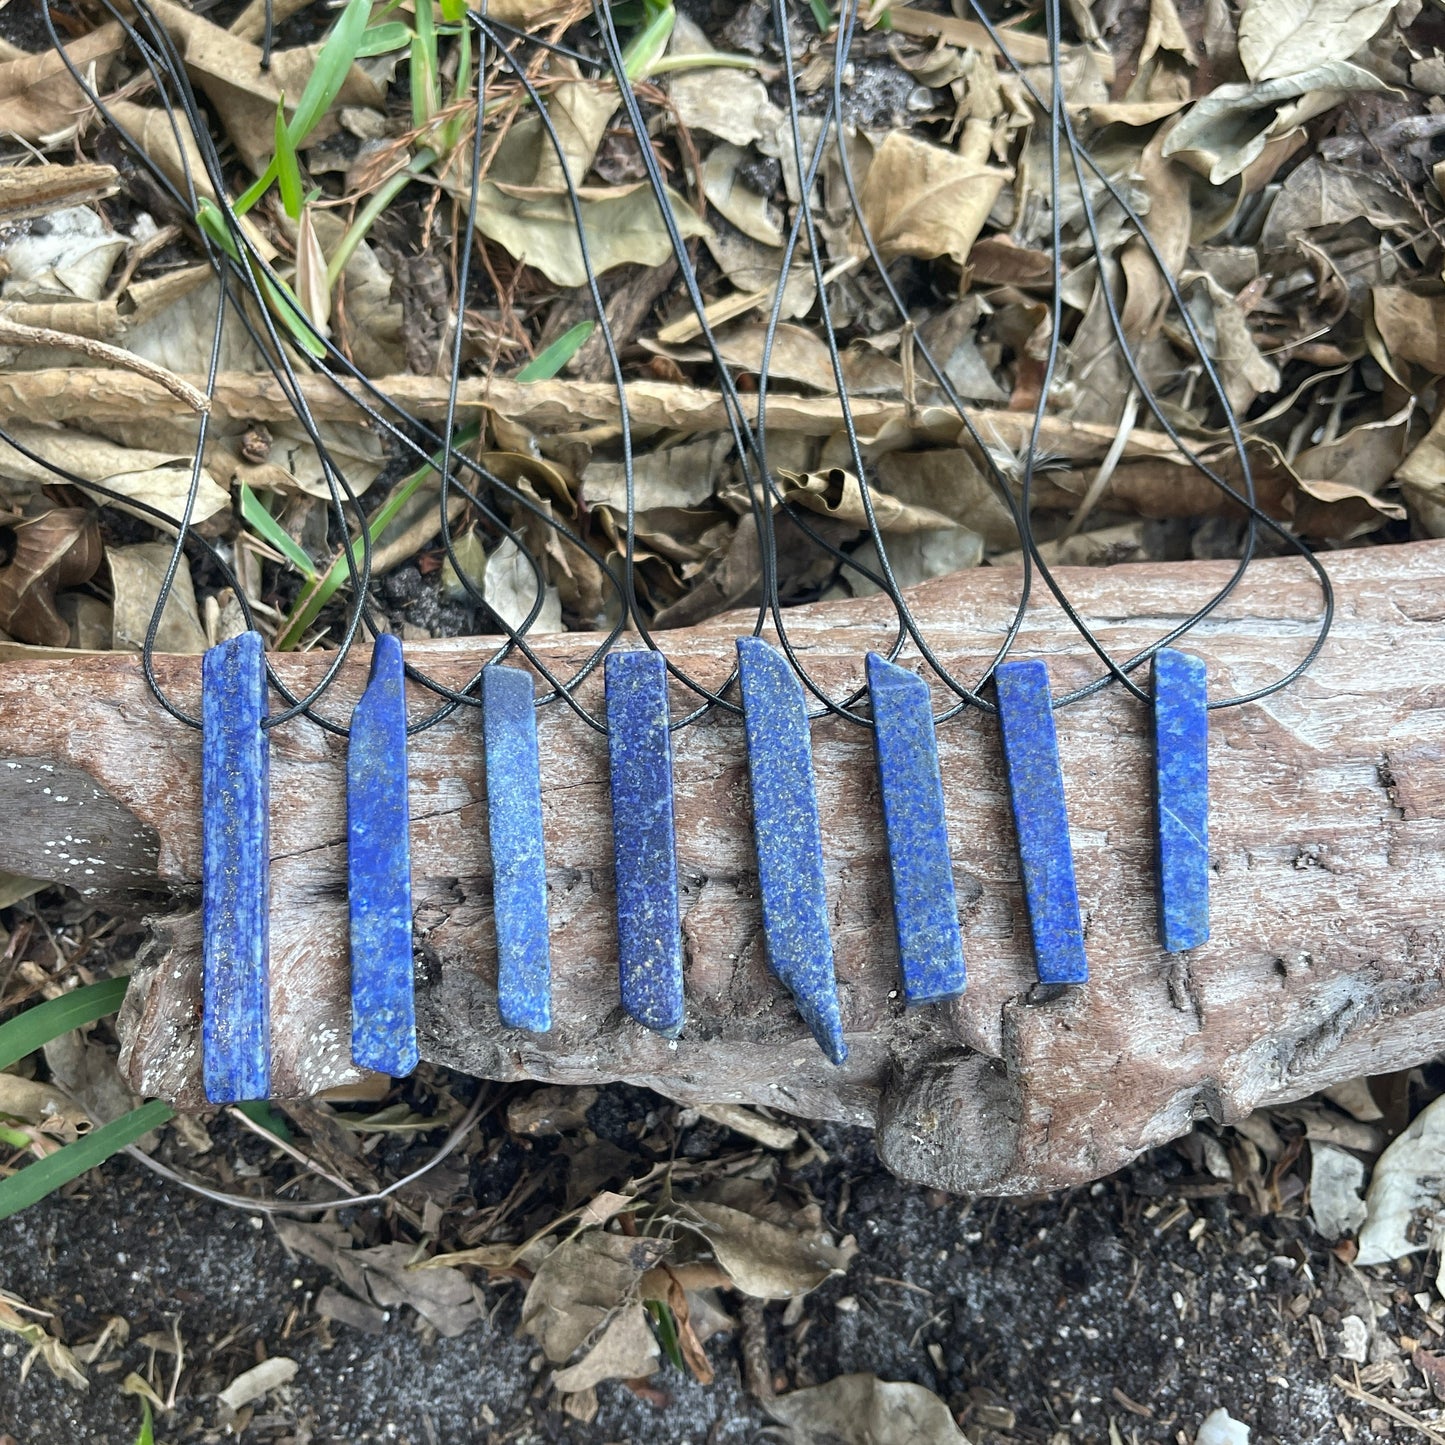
x: 921, y: 200
x: 39, y: 100
x: 59, y: 549
x: 1228, y: 130
x: 136, y: 574
x: 30, y: 191
x: 59, y: 1358
x: 160, y: 480
x: 864, y: 1410
x: 723, y: 101
x: 1405, y: 1207
x: 768, y: 1261
x: 1284, y: 37
x: 259, y: 1380
x: 626, y: 1350
x: 836, y: 493
x: 581, y: 1285
x: 53, y: 1110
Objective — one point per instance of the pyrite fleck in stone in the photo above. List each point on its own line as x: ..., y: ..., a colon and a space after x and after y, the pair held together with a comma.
x: 649, y: 926
x: 925, y: 908
x: 1036, y: 789
x: 519, y: 868
x: 378, y: 857
x: 1181, y: 790
x: 789, y: 840
x: 235, y: 872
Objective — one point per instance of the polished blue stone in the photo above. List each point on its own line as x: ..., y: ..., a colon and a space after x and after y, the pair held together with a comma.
x: 649, y: 928
x: 378, y: 859
x: 519, y: 865
x: 1181, y: 791
x: 789, y: 839
x: 235, y: 872
x: 1036, y: 788
x: 925, y: 908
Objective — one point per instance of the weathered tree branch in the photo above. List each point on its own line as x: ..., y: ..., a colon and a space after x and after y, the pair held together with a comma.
x: 1328, y: 838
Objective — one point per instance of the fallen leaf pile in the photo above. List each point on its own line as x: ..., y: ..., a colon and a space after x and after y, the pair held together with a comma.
x: 1281, y: 154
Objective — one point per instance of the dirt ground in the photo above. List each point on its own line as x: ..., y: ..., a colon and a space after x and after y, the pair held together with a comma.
x: 1127, y: 1311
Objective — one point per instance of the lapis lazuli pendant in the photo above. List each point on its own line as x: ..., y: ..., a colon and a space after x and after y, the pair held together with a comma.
x: 925, y: 908
x: 378, y: 858
x: 789, y: 840
x: 1036, y: 788
x: 235, y: 872
x: 1181, y: 791
x: 519, y: 866
x: 644, y: 846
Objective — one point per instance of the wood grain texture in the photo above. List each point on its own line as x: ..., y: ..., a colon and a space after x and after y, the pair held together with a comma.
x: 1328, y: 855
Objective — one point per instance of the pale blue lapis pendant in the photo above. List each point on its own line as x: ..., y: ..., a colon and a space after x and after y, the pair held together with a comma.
x: 1181, y: 793
x: 925, y: 907
x: 644, y: 846
x: 235, y: 873
x: 1036, y: 790
x: 378, y: 859
x: 789, y: 840
x: 519, y: 866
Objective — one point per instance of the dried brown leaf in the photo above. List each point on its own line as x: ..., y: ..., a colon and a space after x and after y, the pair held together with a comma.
x: 626, y: 1350
x: 864, y: 1410
x: 58, y: 549
x: 1284, y: 37
x: 39, y: 100
x: 30, y: 191
x: 921, y: 200
x: 136, y: 574
x: 768, y: 1261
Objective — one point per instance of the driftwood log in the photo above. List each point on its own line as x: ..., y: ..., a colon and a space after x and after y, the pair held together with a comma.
x: 1328, y: 844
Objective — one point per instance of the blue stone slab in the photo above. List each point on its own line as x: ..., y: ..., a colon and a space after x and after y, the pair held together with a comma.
x: 649, y: 927
x: 925, y: 908
x: 378, y: 859
x: 519, y: 866
x: 1181, y: 792
x: 1036, y: 788
x: 235, y: 872
x: 789, y: 839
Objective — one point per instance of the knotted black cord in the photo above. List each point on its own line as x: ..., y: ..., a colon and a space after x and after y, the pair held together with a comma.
x: 764, y: 495
x: 1081, y: 156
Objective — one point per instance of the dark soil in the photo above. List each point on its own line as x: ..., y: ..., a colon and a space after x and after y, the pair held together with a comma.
x: 1146, y: 1301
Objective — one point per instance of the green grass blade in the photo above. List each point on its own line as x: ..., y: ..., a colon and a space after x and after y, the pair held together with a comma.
x: 147, y: 1430
x: 288, y: 166
x: 645, y: 48
x: 35, y: 1181
x: 551, y: 359
x: 425, y: 80
x: 319, y: 593
x: 265, y: 526
x: 258, y: 1111
x: 212, y: 220
x: 34, y: 1028
x: 383, y: 39
x: 333, y: 65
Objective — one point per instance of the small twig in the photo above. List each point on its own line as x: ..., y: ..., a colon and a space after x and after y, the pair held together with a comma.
x: 286, y: 1147
x: 1378, y: 1402
x: 1105, y: 474
x: 302, y: 1206
x: 12, y: 333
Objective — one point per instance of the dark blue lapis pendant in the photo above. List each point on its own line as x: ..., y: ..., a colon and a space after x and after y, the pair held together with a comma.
x: 1041, y: 820
x: 235, y: 873
x: 925, y: 906
x: 519, y: 866
x: 789, y: 840
x: 378, y: 855
x: 1181, y: 798
x: 644, y: 845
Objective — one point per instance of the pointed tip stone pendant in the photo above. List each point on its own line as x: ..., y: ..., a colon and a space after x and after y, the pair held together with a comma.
x: 235, y: 872
x: 1036, y: 789
x: 519, y: 867
x: 925, y: 907
x: 378, y: 855
x: 789, y: 840
x: 649, y: 927
x: 1181, y: 784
